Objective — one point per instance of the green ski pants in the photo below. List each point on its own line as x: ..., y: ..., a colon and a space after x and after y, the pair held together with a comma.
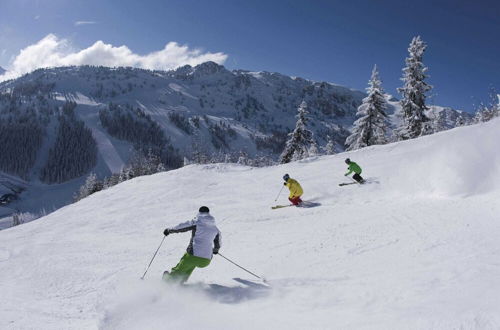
x: 185, y: 267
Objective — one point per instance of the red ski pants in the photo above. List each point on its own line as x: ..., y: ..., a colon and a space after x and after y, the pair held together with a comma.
x: 295, y: 200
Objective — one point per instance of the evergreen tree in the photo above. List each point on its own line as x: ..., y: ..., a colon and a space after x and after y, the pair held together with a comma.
x: 111, y: 181
x: 242, y: 158
x: 487, y: 112
x: 313, y: 149
x: 460, y: 121
x: 330, y: 146
x: 300, y: 140
x: 439, y: 122
x: 413, y: 102
x: 90, y: 186
x: 370, y: 128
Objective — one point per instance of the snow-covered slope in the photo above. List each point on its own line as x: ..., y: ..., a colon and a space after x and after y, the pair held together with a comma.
x: 415, y: 248
x: 203, y: 112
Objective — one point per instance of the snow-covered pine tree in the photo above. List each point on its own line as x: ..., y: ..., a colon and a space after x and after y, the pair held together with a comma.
x: 478, y: 116
x: 330, y: 146
x: 313, y: 149
x: 371, y: 126
x: 497, y: 111
x: 300, y: 140
x: 91, y: 185
x: 242, y: 158
x: 413, y: 92
x: 111, y: 181
x: 487, y: 112
x: 438, y: 123
x: 460, y: 121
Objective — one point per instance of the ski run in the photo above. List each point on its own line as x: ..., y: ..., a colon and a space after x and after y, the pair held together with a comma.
x: 418, y: 248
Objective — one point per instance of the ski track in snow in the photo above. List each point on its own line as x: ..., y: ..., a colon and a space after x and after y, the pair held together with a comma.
x: 417, y: 250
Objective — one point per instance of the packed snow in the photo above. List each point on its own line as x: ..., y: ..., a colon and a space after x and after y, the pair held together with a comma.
x: 417, y: 247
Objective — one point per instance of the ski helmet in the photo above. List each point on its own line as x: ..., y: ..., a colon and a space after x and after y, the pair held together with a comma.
x: 286, y: 177
x: 204, y: 209
x: 347, y: 161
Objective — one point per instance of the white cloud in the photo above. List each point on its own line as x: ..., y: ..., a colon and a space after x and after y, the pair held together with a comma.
x: 78, y: 23
x: 52, y: 51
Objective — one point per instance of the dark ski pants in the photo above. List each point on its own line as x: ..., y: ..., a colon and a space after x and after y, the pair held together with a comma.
x: 358, y: 178
x: 185, y: 267
x: 295, y: 200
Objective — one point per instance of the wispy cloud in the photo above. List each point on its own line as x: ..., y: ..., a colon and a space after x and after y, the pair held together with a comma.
x: 37, y: 17
x: 52, y: 51
x: 78, y: 23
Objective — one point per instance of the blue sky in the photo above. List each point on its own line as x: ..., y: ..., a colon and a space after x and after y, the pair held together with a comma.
x: 335, y: 41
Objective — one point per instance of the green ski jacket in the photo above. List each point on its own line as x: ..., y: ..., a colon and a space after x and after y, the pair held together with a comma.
x: 353, y: 167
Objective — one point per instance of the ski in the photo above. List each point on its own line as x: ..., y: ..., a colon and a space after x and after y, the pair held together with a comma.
x: 347, y: 183
x: 280, y: 206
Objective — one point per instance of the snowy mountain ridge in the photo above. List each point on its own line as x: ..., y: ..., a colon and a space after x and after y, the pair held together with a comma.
x: 195, y: 112
x: 415, y: 248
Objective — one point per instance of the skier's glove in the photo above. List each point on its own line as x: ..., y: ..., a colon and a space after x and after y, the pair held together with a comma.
x: 346, y: 174
x: 284, y: 183
x: 166, y: 232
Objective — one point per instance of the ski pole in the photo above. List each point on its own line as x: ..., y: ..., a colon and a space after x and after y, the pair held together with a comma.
x: 154, y: 255
x: 279, y: 193
x: 246, y: 270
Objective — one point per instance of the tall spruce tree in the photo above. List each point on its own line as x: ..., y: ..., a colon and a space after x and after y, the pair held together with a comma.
x: 330, y: 146
x: 415, y: 122
x: 300, y: 140
x: 371, y: 126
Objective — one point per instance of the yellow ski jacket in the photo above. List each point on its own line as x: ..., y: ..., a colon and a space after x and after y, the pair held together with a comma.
x: 295, y: 188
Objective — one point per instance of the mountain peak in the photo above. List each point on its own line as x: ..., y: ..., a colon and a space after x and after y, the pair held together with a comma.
x: 2, y: 71
x: 209, y: 68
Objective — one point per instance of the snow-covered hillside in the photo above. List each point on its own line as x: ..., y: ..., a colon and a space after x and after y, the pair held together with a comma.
x: 199, y: 112
x: 415, y: 248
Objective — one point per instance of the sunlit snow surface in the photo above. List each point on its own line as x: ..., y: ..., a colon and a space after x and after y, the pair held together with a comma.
x: 416, y: 248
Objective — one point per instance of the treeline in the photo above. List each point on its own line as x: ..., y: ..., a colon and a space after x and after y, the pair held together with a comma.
x: 133, y: 125
x: 19, y: 144
x: 140, y: 164
x: 74, y: 152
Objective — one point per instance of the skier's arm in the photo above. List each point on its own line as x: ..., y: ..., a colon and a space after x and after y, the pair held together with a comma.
x: 350, y: 170
x: 182, y: 227
x: 217, y: 243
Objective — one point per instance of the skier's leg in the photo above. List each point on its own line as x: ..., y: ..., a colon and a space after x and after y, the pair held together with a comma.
x: 357, y: 177
x: 201, y: 262
x: 185, y: 267
x: 182, y: 270
x: 293, y: 200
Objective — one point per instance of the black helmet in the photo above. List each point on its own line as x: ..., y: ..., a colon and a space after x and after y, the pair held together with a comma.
x: 204, y: 209
x: 347, y: 161
x: 286, y: 177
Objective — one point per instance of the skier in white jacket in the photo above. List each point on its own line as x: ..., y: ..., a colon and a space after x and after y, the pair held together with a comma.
x: 205, y: 242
